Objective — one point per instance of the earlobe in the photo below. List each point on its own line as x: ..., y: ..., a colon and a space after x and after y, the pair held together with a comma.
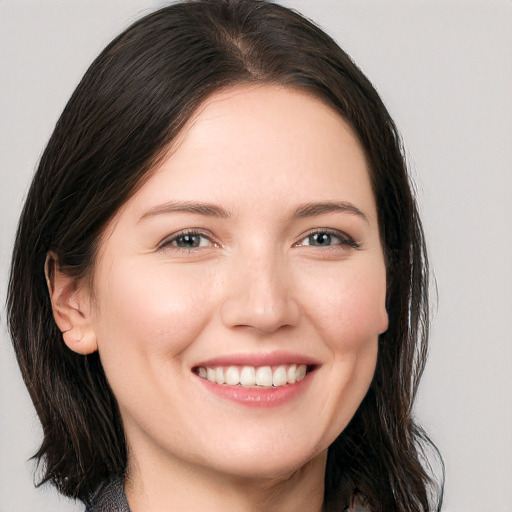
x: 384, y: 319
x: 71, y: 307
x: 384, y: 322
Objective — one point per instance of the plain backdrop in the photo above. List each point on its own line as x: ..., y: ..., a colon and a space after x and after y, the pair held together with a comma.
x: 444, y: 69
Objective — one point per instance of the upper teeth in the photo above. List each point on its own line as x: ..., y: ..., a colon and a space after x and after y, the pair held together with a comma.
x: 254, y: 376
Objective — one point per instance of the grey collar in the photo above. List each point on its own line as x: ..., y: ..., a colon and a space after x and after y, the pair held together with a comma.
x: 109, y: 497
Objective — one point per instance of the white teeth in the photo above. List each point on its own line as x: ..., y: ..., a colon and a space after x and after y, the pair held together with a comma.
x: 279, y: 376
x: 211, y: 374
x: 232, y: 376
x: 301, y: 372
x: 291, y: 374
x: 219, y: 375
x: 264, y: 376
x: 250, y: 376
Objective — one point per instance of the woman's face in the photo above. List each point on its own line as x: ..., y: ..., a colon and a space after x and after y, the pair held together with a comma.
x: 251, y: 254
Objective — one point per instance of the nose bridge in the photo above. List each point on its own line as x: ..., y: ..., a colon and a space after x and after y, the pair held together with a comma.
x: 258, y: 291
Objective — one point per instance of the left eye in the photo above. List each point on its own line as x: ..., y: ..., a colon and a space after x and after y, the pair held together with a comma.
x: 327, y: 239
x: 321, y: 239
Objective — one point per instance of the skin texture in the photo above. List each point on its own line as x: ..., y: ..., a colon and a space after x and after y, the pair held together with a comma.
x: 254, y: 285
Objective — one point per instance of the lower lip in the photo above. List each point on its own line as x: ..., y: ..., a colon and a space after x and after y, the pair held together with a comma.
x: 259, y: 396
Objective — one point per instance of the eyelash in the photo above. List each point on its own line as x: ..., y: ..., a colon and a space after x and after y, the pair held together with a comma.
x: 344, y: 239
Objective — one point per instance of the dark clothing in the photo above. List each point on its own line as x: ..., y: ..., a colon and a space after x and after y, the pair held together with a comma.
x: 109, y: 497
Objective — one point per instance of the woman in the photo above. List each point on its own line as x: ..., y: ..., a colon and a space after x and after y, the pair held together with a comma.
x: 219, y: 285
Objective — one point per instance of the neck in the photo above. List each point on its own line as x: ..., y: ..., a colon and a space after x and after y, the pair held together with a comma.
x: 153, y: 488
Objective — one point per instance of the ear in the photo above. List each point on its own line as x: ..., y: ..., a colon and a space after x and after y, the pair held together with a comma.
x: 71, y: 304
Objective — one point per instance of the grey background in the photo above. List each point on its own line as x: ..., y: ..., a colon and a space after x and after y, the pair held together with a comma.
x: 444, y: 69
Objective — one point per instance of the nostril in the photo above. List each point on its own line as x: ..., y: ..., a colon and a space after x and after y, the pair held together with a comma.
x: 247, y: 314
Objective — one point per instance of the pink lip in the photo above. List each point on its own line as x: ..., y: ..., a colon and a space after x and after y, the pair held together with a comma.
x: 259, y: 396
x: 260, y: 359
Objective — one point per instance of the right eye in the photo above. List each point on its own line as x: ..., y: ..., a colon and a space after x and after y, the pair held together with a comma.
x: 187, y: 241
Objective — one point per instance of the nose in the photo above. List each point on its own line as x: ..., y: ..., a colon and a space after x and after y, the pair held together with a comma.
x: 258, y: 294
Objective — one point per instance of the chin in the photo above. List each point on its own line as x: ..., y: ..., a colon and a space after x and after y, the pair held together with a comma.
x: 267, y: 465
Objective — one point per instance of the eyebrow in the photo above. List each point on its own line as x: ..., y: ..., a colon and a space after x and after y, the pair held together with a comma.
x: 208, y: 209
x: 313, y: 209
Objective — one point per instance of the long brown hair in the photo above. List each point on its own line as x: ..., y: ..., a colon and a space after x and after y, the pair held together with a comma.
x: 130, y: 105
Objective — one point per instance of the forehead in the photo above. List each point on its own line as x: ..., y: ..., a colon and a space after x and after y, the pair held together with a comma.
x: 265, y: 136
x: 249, y: 116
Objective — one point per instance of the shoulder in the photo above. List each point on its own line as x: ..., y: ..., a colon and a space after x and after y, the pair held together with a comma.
x: 109, y: 497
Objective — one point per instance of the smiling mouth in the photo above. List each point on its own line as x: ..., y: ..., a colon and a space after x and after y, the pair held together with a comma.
x: 254, y: 376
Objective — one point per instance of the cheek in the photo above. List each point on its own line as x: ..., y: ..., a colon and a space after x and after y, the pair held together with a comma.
x: 350, y: 313
x: 349, y: 308
x: 146, y: 310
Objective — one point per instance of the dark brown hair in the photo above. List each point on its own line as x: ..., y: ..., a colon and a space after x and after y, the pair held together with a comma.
x: 130, y: 105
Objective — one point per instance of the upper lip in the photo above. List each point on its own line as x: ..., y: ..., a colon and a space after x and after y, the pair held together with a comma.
x: 275, y: 358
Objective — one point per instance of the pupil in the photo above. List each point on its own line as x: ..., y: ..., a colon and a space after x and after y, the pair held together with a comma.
x: 188, y: 241
x: 320, y: 239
